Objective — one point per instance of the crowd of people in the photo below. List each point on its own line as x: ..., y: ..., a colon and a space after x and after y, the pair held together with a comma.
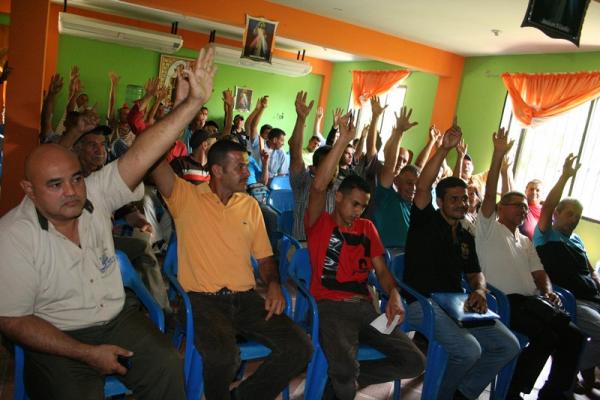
x: 158, y: 166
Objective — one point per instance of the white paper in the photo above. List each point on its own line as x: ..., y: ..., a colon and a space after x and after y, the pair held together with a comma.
x: 380, y: 323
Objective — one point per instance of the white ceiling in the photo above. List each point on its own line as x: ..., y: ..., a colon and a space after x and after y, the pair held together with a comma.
x: 460, y: 26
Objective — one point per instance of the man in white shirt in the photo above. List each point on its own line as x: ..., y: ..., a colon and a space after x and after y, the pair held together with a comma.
x: 510, y: 262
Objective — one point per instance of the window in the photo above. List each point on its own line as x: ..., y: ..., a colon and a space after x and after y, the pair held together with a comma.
x: 539, y: 152
x: 394, y: 99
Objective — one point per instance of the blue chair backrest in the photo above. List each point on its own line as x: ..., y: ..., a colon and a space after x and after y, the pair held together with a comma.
x: 281, y: 200
x: 286, y: 242
x: 397, y: 267
x: 132, y: 280
x: 280, y: 182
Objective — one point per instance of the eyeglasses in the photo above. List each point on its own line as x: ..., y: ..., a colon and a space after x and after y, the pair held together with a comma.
x: 523, y: 206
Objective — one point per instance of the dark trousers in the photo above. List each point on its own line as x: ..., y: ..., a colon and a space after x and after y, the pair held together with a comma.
x: 563, y: 341
x: 342, y: 325
x: 218, y: 320
x: 156, y: 368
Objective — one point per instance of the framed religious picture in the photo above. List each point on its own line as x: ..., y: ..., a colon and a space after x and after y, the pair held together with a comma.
x: 243, y: 99
x: 167, y: 72
x: 259, y: 39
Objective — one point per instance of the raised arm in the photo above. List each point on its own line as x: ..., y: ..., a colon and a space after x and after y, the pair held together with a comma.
x: 161, y: 94
x: 376, y: 112
x: 318, y: 120
x: 326, y: 170
x: 196, y: 87
x: 360, y: 147
x: 112, y: 95
x: 86, y: 120
x: 501, y: 146
x: 262, y: 104
x: 297, y: 139
x: 228, y: 108
x: 506, y: 175
x: 432, y: 139
x: 264, y: 160
x: 461, y: 151
x: 74, y: 88
x: 570, y: 168
x: 150, y: 88
x: 432, y: 168
x: 56, y: 83
x: 391, y: 156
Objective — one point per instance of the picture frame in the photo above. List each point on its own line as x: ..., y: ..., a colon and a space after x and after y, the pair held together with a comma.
x: 243, y: 99
x: 167, y: 72
x: 259, y: 39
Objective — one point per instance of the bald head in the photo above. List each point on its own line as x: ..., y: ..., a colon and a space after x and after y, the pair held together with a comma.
x: 54, y: 182
x: 46, y: 154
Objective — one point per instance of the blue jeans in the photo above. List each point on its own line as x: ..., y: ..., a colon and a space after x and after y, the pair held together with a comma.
x: 475, y: 355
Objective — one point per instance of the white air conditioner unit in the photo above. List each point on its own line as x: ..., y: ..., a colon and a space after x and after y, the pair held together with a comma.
x: 76, y: 25
x: 282, y: 66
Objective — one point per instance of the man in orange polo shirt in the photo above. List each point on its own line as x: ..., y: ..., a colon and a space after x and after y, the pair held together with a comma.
x: 219, y: 228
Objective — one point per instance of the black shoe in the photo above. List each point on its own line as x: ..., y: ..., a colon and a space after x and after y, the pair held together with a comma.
x: 459, y: 396
x: 547, y: 393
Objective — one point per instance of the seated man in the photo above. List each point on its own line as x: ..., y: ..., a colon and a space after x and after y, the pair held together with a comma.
x: 192, y: 167
x: 344, y: 248
x: 61, y: 293
x: 307, y: 153
x: 274, y: 147
x: 565, y: 260
x: 215, y: 270
x: 391, y: 208
x: 510, y: 263
x: 532, y: 191
x: 302, y: 175
x: 438, y: 252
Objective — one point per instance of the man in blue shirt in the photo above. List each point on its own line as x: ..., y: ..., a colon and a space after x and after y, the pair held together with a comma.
x: 565, y: 260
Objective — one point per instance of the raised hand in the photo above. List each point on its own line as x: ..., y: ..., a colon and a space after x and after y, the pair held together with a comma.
x: 263, y: 102
x: 501, y: 141
x: 201, y: 76
x: 301, y: 108
x: 571, y: 165
x: 114, y: 78
x: 461, y: 148
x: 264, y: 157
x: 435, y: 135
x: 376, y: 107
x: 87, y: 120
x: 228, y: 97
x: 451, y: 137
x: 56, y: 84
x: 403, y: 120
x: 365, y: 130
x: 347, y: 128
x: 74, y: 73
x: 506, y: 163
x: 337, y: 114
x: 151, y: 86
x: 320, y: 112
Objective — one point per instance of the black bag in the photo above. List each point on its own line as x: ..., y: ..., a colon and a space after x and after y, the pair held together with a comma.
x: 535, y: 313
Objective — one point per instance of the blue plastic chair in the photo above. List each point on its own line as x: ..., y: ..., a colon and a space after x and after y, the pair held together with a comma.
x: 437, y: 357
x: 281, y: 200
x: 306, y: 315
x: 281, y: 182
x: 184, y: 333
x: 113, y: 387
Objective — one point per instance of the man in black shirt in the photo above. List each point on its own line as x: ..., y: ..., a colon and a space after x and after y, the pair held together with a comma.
x: 438, y: 252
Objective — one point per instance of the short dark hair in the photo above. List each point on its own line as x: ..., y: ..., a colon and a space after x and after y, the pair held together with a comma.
x: 507, y: 197
x: 275, y: 132
x: 320, y: 154
x: 204, y: 108
x: 218, y: 152
x: 265, y: 127
x: 448, y: 183
x: 352, y: 182
x: 315, y: 138
x: 198, y: 137
x: 238, y: 116
x: 211, y: 123
x: 410, y: 168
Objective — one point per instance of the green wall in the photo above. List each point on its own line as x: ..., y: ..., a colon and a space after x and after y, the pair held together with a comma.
x: 481, y: 101
x: 95, y: 59
x: 420, y: 95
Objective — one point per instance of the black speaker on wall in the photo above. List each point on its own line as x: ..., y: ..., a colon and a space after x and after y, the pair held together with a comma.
x: 559, y: 19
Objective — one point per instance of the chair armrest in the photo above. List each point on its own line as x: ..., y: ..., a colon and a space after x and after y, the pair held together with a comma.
x: 503, y: 305
x: 427, y: 326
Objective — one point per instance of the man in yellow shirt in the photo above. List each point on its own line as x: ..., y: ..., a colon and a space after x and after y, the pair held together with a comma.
x: 219, y: 228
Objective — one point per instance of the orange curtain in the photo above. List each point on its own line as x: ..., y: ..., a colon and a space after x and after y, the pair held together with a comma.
x: 538, y: 96
x: 366, y: 84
